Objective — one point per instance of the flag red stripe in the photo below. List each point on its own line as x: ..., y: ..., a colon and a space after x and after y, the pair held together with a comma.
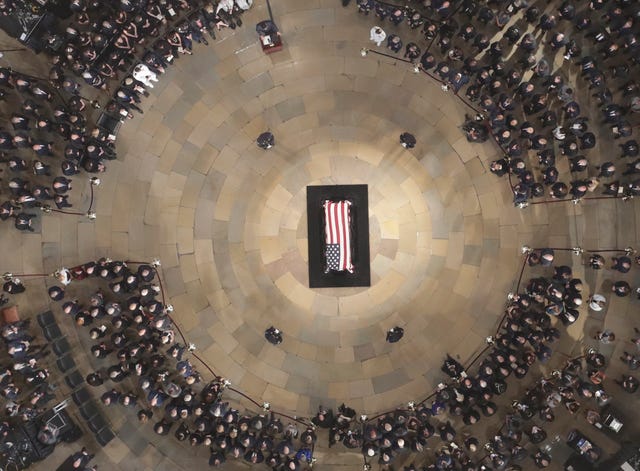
x: 347, y: 243
x: 340, y: 210
x: 327, y: 228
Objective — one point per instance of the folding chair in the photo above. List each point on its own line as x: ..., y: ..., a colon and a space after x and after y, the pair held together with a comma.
x: 104, y: 436
x: 88, y: 410
x: 46, y: 318
x: 65, y: 363
x: 52, y: 332
x: 61, y: 346
x: 97, y: 423
x: 74, y: 379
x: 109, y: 124
x: 81, y: 396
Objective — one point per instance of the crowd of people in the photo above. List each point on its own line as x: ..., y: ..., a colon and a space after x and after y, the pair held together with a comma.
x: 522, y: 341
x: 490, y: 55
x: 54, y: 136
x: 27, y: 389
x: 144, y: 367
x: 24, y: 380
x: 524, y: 105
x: 524, y: 338
x: 36, y: 175
x: 152, y: 374
x: 133, y: 42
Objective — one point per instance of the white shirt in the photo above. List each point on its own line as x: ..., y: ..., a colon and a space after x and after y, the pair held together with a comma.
x: 226, y: 5
x: 63, y: 276
x: 558, y: 133
x: 595, y: 302
x: 244, y: 4
x: 377, y: 35
x: 141, y: 72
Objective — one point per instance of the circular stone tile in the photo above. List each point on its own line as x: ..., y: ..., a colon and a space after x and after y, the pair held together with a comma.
x: 229, y: 219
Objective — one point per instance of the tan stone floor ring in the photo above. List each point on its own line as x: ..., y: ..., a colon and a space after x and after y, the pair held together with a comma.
x: 228, y: 219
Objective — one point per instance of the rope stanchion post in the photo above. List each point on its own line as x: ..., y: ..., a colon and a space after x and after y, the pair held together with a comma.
x: 90, y: 214
x: 473, y: 361
x: 155, y: 264
x: 365, y: 51
x: 364, y: 419
x: 526, y: 252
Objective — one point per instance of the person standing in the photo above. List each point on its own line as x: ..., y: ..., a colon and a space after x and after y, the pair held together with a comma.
x: 144, y: 75
x: 394, y: 334
x: 273, y: 335
x: 79, y: 460
x: 407, y: 140
x: 596, y: 302
x: 605, y: 336
x: 266, y: 140
x: 629, y: 383
x: 377, y: 35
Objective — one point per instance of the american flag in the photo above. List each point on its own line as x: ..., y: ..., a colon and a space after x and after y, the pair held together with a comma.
x: 337, y: 217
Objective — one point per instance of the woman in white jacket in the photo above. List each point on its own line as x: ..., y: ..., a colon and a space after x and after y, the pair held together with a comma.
x: 377, y: 35
x: 244, y: 4
x: 226, y: 5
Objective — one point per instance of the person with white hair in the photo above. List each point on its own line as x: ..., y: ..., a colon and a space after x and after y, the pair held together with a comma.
x: 63, y: 275
x: 596, y: 302
x: 143, y: 74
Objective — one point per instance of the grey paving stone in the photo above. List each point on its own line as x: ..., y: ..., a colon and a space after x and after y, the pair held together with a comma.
x: 389, y: 381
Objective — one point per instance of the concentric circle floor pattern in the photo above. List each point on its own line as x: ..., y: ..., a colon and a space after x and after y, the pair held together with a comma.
x: 228, y: 219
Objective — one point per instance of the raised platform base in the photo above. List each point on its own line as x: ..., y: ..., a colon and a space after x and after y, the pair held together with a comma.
x: 359, y: 196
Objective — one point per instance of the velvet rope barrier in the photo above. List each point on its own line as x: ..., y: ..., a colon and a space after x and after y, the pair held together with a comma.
x: 365, y: 51
x: 474, y: 360
x: 89, y: 213
x: 365, y: 420
x: 203, y: 362
x: 576, y: 200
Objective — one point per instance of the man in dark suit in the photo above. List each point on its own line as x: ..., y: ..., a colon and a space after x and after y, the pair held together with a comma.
x: 273, y: 335
x: 267, y: 28
x: 394, y: 334
x: 407, y: 140
x: 266, y: 140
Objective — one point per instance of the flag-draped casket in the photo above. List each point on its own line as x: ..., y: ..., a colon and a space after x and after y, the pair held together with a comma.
x: 338, y: 237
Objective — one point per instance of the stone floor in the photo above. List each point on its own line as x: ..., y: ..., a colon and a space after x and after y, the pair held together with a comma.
x: 228, y: 222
